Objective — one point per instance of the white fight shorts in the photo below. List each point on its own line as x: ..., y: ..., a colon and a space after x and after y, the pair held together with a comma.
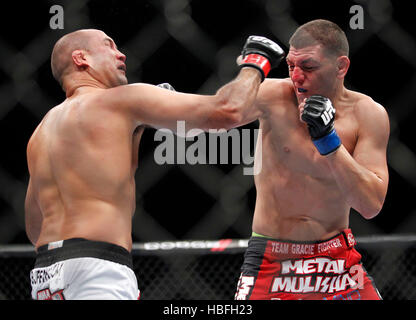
x: 80, y: 269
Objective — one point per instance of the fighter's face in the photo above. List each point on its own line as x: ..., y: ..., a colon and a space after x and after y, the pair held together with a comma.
x: 312, y: 71
x: 107, y: 63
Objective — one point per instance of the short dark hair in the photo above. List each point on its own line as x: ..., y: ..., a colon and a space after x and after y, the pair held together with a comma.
x: 323, y: 32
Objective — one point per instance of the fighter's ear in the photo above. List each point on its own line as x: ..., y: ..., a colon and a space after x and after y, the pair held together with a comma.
x: 79, y: 58
x: 343, y: 63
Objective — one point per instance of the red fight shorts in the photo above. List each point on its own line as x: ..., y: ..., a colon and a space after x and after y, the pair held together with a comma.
x: 291, y: 270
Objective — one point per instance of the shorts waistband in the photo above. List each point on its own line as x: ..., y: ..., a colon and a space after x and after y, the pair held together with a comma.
x: 81, y: 248
x: 342, y: 240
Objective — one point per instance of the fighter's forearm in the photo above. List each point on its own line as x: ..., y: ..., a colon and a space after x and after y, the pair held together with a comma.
x: 259, y: 56
x: 364, y: 190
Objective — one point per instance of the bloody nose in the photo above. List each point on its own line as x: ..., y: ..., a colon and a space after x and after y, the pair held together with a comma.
x: 297, y: 75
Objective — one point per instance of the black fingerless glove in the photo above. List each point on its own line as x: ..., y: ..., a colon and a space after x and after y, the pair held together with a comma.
x: 261, y: 53
x: 319, y: 114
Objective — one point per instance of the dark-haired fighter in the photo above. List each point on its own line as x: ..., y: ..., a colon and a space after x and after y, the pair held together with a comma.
x: 323, y: 153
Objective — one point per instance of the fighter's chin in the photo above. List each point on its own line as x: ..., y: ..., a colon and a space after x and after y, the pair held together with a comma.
x: 121, y: 81
x: 302, y: 96
x: 301, y: 93
x: 124, y: 81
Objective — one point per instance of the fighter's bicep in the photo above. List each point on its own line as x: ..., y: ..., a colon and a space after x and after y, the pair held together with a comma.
x: 161, y: 108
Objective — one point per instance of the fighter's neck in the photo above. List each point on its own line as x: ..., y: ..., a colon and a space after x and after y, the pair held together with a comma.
x: 338, y: 94
x: 82, y: 88
x: 79, y: 85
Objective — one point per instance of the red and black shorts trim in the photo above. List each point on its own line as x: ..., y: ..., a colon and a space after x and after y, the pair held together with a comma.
x: 314, y: 270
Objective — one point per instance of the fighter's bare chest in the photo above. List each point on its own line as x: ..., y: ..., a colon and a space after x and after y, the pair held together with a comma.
x: 287, y: 141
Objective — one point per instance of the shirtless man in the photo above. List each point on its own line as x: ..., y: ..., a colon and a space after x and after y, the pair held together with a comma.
x: 317, y: 164
x: 83, y: 156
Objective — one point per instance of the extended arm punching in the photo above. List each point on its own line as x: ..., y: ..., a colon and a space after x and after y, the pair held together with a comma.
x: 230, y: 106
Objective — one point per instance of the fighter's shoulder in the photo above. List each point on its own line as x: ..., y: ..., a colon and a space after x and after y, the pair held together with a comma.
x: 123, y: 95
x: 365, y: 106
x: 275, y: 88
x: 42, y: 128
x: 371, y: 115
x: 106, y: 99
x: 100, y: 103
x: 48, y: 117
x: 137, y: 86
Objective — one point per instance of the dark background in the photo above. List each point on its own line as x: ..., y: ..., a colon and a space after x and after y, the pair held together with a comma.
x: 192, y: 44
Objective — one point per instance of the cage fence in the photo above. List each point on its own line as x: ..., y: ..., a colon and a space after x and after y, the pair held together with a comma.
x: 209, y: 270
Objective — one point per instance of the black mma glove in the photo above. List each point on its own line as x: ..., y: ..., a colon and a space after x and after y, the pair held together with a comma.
x: 261, y: 53
x: 319, y: 114
x: 166, y: 86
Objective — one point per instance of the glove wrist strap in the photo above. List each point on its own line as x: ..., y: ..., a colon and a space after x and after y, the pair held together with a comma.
x: 257, y: 61
x: 328, y: 144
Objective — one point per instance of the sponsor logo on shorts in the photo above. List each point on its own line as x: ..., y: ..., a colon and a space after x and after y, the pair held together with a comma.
x: 316, y: 275
x: 45, y: 294
x: 307, y: 249
x: 41, y: 275
x: 245, y: 283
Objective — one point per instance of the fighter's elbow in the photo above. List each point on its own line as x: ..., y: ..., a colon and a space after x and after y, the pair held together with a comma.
x: 226, y: 115
x: 232, y: 117
x: 369, y: 214
x: 370, y: 203
x: 372, y: 210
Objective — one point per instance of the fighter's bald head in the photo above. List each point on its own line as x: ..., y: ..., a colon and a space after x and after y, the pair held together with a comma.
x: 61, y: 59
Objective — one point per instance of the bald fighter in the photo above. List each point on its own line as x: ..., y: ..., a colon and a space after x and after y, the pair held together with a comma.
x: 323, y: 153
x: 83, y: 156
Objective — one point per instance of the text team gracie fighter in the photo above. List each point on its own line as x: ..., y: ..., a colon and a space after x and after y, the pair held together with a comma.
x: 83, y: 156
x: 323, y: 153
